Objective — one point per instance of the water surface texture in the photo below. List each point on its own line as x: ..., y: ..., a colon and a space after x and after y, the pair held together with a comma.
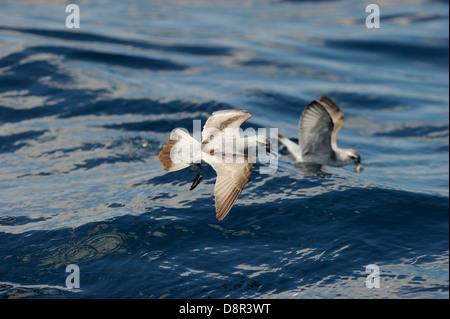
x: 85, y: 112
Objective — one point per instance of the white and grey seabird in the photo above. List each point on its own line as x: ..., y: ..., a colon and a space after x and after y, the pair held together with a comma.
x: 319, y: 126
x: 233, y: 165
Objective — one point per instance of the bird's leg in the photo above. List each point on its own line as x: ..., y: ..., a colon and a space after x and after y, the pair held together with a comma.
x: 197, y: 178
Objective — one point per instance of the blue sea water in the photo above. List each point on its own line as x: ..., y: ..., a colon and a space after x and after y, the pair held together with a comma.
x: 85, y: 112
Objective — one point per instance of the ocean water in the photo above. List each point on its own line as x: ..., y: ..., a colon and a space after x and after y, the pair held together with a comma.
x: 84, y: 113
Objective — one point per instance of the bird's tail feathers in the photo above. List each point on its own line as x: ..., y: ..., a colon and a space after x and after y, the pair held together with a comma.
x: 179, y: 151
x: 292, y: 147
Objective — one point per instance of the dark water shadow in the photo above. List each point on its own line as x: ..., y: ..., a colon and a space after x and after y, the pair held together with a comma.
x: 313, y: 169
x: 14, y: 142
x: 90, y: 37
x: 393, y: 50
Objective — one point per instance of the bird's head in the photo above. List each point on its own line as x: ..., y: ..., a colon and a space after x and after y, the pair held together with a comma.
x: 353, y: 157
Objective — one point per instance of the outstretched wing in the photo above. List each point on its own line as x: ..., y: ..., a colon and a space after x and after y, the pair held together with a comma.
x: 336, y: 115
x: 316, y: 128
x: 231, y: 179
x: 221, y: 120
